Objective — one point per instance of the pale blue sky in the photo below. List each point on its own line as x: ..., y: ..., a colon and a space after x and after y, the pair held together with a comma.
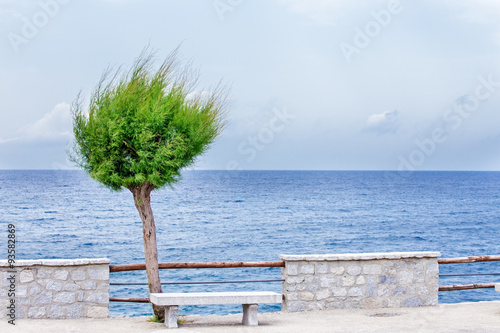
x: 316, y: 84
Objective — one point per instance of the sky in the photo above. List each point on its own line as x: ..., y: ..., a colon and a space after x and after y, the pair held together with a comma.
x: 315, y: 84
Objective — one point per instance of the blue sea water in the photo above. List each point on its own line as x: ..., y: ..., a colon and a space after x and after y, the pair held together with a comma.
x: 253, y: 216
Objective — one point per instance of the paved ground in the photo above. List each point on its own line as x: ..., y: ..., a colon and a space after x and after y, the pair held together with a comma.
x: 462, y: 317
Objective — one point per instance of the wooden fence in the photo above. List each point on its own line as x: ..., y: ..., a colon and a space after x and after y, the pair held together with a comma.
x: 466, y: 260
x: 242, y: 264
x: 184, y: 265
x: 187, y: 265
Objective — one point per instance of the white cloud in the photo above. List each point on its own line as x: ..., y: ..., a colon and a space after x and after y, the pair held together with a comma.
x: 381, y: 123
x: 53, y: 126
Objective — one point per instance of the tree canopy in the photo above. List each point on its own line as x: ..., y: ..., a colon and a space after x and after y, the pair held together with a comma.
x: 145, y: 125
x: 141, y: 128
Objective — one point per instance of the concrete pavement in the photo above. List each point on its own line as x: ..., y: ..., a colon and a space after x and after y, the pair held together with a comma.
x: 461, y: 317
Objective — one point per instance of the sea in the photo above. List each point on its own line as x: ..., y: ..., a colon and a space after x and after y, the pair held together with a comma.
x: 256, y: 216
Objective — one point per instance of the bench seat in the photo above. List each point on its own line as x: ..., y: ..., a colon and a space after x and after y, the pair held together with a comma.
x: 249, y: 301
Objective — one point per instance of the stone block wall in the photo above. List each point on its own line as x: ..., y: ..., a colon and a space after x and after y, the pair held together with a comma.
x: 365, y: 280
x: 56, y: 288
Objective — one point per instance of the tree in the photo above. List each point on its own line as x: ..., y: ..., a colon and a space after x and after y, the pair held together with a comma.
x: 140, y: 129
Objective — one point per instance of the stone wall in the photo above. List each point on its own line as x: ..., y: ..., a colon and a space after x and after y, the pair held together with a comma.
x: 56, y: 288
x: 365, y: 280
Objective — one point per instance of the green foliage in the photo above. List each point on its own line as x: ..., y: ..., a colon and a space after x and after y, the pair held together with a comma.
x: 155, y: 319
x: 145, y: 125
x: 181, y: 319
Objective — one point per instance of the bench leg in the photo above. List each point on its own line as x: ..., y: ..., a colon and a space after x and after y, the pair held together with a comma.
x: 250, y: 315
x: 171, y: 316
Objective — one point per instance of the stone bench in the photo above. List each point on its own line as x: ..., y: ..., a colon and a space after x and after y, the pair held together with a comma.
x: 249, y: 300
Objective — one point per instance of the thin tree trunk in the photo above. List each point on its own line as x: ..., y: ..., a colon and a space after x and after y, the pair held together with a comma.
x: 142, y: 200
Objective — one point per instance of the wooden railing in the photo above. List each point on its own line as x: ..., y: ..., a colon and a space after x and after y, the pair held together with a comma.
x: 132, y: 300
x: 465, y: 260
x: 242, y: 264
x: 187, y: 265
x: 184, y: 265
x: 466, y: 286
